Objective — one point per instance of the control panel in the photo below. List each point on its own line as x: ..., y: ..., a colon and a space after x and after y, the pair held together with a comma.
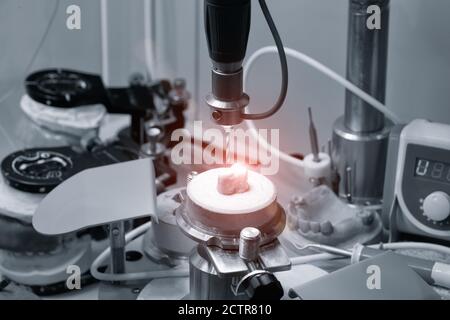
x: 417, y: 184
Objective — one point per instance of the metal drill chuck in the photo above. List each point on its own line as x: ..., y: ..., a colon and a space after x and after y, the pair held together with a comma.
x: 227, y: 99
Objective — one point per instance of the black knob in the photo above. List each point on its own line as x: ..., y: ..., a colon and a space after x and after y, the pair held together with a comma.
x: 264, y: 286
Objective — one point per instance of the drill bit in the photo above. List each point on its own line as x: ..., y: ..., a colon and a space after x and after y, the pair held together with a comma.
x: 228, y: 136
x: 313, y: 137
x: 349, y: 184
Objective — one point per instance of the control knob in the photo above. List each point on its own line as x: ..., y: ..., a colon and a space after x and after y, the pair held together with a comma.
x: 436, y: 206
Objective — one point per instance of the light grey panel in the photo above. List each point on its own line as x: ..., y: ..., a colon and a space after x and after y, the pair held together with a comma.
x: 419, y: 64
x: 176, y: 41
x: 23, y: 23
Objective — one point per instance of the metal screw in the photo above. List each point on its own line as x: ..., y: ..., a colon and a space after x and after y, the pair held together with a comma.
x: 154, y: 132
x: 217, y: 115
x: 154, y: 135
x: 191, y: 176
x: 136, y: 290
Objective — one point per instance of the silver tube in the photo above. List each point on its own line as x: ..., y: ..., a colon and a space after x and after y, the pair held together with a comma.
x: 366, y: 65
x: 366, y: 155
x: 360, y: 138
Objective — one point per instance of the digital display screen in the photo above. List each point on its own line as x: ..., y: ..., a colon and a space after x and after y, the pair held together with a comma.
x: 434, y: 170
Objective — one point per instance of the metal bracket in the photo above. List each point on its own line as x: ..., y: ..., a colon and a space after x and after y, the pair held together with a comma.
x: 228, y: 262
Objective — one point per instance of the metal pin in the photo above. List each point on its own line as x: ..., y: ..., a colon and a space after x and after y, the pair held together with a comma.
x: 249, y: 243
x: 117, y: 243
x: 330, y: 153
x: 228, y: 137
x: 327, y: 249
x: 349, y: 184
x: 153, y: 135
x: 313, y: 137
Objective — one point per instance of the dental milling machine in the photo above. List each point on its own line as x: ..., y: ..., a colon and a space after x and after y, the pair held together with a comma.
x: 224, y: 233
x: 223, y: 226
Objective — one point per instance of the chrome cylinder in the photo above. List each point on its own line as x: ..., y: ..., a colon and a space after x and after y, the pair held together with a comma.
x: 360, y: 138
x: 249, y: 244
x: 366, y: 65
x: 205, y: 284
x: 360, y: 160
x: 227, y: 99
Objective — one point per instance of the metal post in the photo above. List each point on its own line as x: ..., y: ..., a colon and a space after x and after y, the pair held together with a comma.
x: 117, y: 242
x: 366, y: 65
x: 360, y: 137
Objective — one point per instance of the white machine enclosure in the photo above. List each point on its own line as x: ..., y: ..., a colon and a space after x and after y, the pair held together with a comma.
x: 413, y: 203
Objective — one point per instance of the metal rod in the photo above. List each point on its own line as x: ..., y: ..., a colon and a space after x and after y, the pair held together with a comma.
x: 327, y: 249
x: 330, y: 153
x: 313, y: 137
x: 117, y: 242
x: 349, y: 184
x: 366, y: 65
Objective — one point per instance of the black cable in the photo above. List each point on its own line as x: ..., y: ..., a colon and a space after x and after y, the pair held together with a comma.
x: 284, y: 68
